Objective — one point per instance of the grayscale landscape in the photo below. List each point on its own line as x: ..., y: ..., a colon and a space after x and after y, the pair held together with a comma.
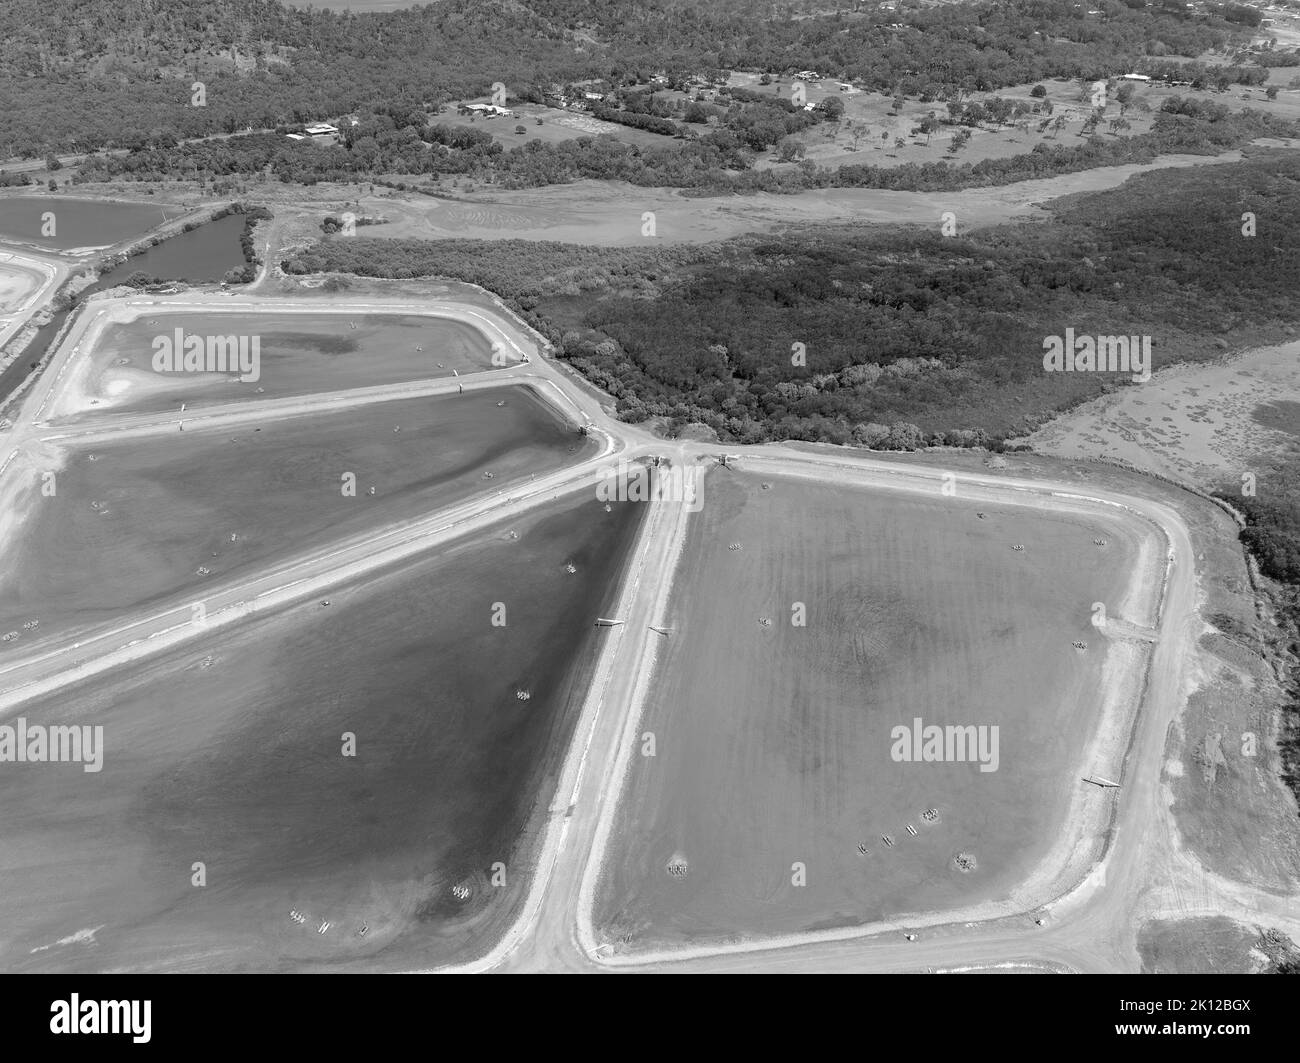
x: 650, y: 487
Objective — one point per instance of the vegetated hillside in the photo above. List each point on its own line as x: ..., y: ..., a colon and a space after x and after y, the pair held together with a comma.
x: 911, y: 337
x: 720, y: 161
x: 84, y: 74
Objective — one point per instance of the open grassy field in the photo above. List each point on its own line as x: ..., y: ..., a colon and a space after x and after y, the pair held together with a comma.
x: 558, y: 124
x: 134, y: 522
x: 78, y: 223
x: 868, y: 132
x: 870, y: 129
x: 300, y: 353
x: 774, y: 742
x: 609, y: 214
x: 1211, y: 945
x: 229, y: 753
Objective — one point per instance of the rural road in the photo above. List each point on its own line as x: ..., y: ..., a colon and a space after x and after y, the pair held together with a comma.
x: 1090, y: 927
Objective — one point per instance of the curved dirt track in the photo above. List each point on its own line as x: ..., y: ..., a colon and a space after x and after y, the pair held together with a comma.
x: 32, y: 279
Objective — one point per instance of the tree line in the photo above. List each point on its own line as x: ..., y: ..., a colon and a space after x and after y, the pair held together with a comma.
x: 66, y: 82
x: 717, y: 161
x: 909, y: 336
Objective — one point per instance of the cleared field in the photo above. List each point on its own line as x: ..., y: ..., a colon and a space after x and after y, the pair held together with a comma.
x: 136, y: 521
x: 558, y: 124
x: 775, y: 751
x: 1213, y: 945
x: 869, y: 132
x: 608, y: 214
x: 229, y: 754
x: 78, y: 223
x: 1206, y: 423
x: 298, y: 354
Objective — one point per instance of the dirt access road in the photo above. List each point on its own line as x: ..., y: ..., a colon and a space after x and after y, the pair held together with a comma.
x: 27, y: 298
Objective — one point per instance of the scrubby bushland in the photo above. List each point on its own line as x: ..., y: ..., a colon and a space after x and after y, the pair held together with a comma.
x: 899, y: 326
x: 1272, y: 535
x: 720, y: 160
x: 252, y: 215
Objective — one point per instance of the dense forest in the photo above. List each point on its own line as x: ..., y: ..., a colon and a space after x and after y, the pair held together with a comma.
x: 910, y: 337
x: 70, y: 71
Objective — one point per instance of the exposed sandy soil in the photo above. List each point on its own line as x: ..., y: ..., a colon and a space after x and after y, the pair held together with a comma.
x: 27, y: 280
x: 17, y: 284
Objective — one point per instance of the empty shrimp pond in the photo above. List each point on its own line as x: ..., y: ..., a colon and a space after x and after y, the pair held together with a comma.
x: 871, y: 703
x: 138, y: 365
x: 359, y: 786
x: 134, y: 522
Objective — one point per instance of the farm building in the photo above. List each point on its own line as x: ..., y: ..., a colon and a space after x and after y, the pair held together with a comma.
x: 489, y: 110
